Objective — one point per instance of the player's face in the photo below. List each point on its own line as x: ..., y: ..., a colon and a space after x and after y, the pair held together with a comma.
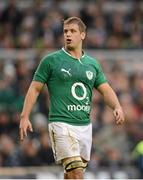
x: 72, y: 36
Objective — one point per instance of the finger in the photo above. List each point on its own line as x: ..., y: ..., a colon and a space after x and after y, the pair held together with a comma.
x: 120, y: 120
x: 25, y: 132
x: 116, y: 115
x: 21, y: 134
x: 30, y: 128
x: 117, y: 118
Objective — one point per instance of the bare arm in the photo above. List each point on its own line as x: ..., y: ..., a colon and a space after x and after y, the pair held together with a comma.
x: 112, y: 101
x: 29, y: 102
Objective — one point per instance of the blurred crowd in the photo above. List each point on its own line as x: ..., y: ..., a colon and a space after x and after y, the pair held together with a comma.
x: 39, y: 26
x: 113, y: 145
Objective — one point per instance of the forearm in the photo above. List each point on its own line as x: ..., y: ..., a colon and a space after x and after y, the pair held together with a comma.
x: 29, y: 102
x: 109, y: 96
x: 111, y: 99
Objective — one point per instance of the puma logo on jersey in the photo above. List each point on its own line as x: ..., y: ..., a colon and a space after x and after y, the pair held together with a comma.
x: 66, y: 71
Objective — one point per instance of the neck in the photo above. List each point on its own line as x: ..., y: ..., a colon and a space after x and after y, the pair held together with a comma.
x: 76, y: 53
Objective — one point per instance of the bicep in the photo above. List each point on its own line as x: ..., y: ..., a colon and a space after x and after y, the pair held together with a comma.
x: 104, y: 88
x: 37, y: 86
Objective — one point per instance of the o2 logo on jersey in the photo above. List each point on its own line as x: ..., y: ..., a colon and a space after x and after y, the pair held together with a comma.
x: 85, y: 107
x: 81, y: 85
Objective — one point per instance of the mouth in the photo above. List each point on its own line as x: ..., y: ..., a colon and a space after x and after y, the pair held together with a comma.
x: 68, y: 41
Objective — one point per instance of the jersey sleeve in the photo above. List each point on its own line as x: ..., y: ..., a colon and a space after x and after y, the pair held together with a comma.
x: 100, y: 77
x: 43, y: 71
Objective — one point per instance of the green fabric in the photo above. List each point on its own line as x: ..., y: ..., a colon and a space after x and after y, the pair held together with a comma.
x: 70, y: 82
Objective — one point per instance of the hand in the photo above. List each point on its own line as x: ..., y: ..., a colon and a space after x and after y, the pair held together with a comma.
x: 119, y: 115
x: 25, y: 125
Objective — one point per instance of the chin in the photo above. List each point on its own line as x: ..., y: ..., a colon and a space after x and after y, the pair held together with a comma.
x: 70, y: 47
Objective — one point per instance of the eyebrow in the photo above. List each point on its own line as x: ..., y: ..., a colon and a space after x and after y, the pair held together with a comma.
x: 69, y: 29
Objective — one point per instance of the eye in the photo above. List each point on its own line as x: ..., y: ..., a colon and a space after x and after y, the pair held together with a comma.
x: 73, y: 30
x: 65, y: 31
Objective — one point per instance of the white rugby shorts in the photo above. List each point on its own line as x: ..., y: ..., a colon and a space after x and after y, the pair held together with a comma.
x: 70, y: 140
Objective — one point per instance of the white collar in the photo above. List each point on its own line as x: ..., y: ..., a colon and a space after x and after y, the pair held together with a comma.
x: 71, y: 55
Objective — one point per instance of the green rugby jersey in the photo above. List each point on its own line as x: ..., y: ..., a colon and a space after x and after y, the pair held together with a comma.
x: 70, y: 82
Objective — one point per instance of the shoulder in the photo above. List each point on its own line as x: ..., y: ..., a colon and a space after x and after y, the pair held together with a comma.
x: 51, y: 56
x: 93, y: 61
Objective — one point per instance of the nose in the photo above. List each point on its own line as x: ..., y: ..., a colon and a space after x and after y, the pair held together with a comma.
x: 68, y: 34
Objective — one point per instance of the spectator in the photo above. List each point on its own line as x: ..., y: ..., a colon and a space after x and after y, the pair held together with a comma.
x: 10, y: 155
x: 45, y: 151
x: 29, y: 153
x: 38, y: 25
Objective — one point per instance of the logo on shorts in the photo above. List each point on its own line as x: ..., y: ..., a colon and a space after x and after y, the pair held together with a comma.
x: 89, y: 75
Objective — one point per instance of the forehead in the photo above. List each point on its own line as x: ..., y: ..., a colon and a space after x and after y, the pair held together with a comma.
x: 71, y: 26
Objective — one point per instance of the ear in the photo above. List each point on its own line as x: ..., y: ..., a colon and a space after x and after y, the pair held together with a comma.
x: 83, y: 35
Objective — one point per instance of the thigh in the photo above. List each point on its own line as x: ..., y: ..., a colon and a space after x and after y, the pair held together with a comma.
x: 64, y: 141
x: 85, y: 142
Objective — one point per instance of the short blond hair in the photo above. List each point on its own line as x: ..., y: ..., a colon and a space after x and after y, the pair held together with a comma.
x: 76, y: 20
